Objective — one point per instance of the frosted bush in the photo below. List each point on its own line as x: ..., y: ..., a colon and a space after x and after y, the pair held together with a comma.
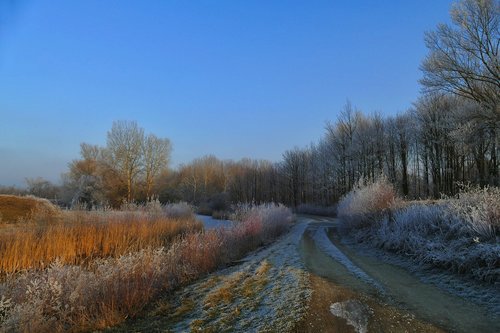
x: 131, y: 206
x: 240, y: 211
x: 366, y: 202
x: 270, y: 219
x: 257, y: 225
x: 452, y: 234
x: 407, y: 228
x: 479, y: 209
x: 178, y: 210
x: 275, y: 219
x: 153, y: 206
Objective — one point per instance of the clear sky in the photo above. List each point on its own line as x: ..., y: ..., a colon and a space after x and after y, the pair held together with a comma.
x: 235, y: 78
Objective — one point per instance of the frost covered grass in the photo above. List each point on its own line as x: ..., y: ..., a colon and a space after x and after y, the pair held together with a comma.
x: 79, y: 237
x: 178, y: 210
x: 73, y: 298
x: 459, y: 234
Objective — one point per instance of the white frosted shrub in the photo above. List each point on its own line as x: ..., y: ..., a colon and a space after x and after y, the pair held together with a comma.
x: 452, y: 234
x: 366, y: 202
x: 257, y: 225
x: 480, y: 211
x: 274, y: 219
x: 407, y: 228
x: 179, y: 210
x: 153, y: 206
x: 240, y: 211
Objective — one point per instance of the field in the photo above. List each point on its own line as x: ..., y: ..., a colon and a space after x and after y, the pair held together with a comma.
x: 84, y: 271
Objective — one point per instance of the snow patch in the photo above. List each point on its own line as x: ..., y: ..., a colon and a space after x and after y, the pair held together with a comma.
x: 356, y: 313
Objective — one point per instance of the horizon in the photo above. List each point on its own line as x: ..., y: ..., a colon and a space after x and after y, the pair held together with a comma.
x: 199, y: 74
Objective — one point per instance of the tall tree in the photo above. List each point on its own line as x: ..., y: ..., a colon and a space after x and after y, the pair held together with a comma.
x: 464, y: 58
x: 156, y: 152
x: 125, y: 142
x: 403, y: 130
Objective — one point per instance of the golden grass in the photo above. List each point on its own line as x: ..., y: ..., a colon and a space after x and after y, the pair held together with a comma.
x: 81, y: 237
x: 186, y: 306
x: 256, y: 282
x: 223, y: 304
x: 76, y: 298
x: 226, y: 292
x: 15, y: 208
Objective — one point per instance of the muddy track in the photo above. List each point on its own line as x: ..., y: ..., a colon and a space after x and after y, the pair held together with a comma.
x: 397, y: 300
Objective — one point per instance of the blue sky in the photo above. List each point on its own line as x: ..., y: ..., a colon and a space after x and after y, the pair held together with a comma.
x: 231, y: 78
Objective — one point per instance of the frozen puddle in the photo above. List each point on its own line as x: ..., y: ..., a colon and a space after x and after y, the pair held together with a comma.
x: 355, y: 312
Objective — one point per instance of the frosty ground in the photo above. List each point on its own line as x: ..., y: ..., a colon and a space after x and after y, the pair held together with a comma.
x: 309, y: 281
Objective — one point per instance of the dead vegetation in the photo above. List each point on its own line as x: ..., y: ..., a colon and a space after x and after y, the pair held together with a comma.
x: 78, y: 238
x: 78, y: 297
x: 14, y: 209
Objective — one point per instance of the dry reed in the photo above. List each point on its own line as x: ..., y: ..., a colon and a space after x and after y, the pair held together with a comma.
x: 73, y: 298
x: 80, y: 237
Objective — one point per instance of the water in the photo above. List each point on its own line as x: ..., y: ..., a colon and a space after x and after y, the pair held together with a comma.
x: 210, y: 223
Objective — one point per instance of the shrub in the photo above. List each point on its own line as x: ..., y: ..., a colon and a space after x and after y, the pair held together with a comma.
x: 180, y: 210
x: 457, y: 234
x: 219, y: 202
x: 479, y: 208
x: 366, y: 202
x: 240, y: 211
x: 204, y: 209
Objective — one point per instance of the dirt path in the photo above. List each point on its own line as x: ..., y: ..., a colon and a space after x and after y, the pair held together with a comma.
x: 400, y: 294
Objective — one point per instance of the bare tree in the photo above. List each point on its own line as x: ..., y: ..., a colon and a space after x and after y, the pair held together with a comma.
x: 156, y: 154
x: 125, y: 142
x: 403, y: 130
x: 464, y: 58
x: 42, y: 188
x: 83, y: 182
